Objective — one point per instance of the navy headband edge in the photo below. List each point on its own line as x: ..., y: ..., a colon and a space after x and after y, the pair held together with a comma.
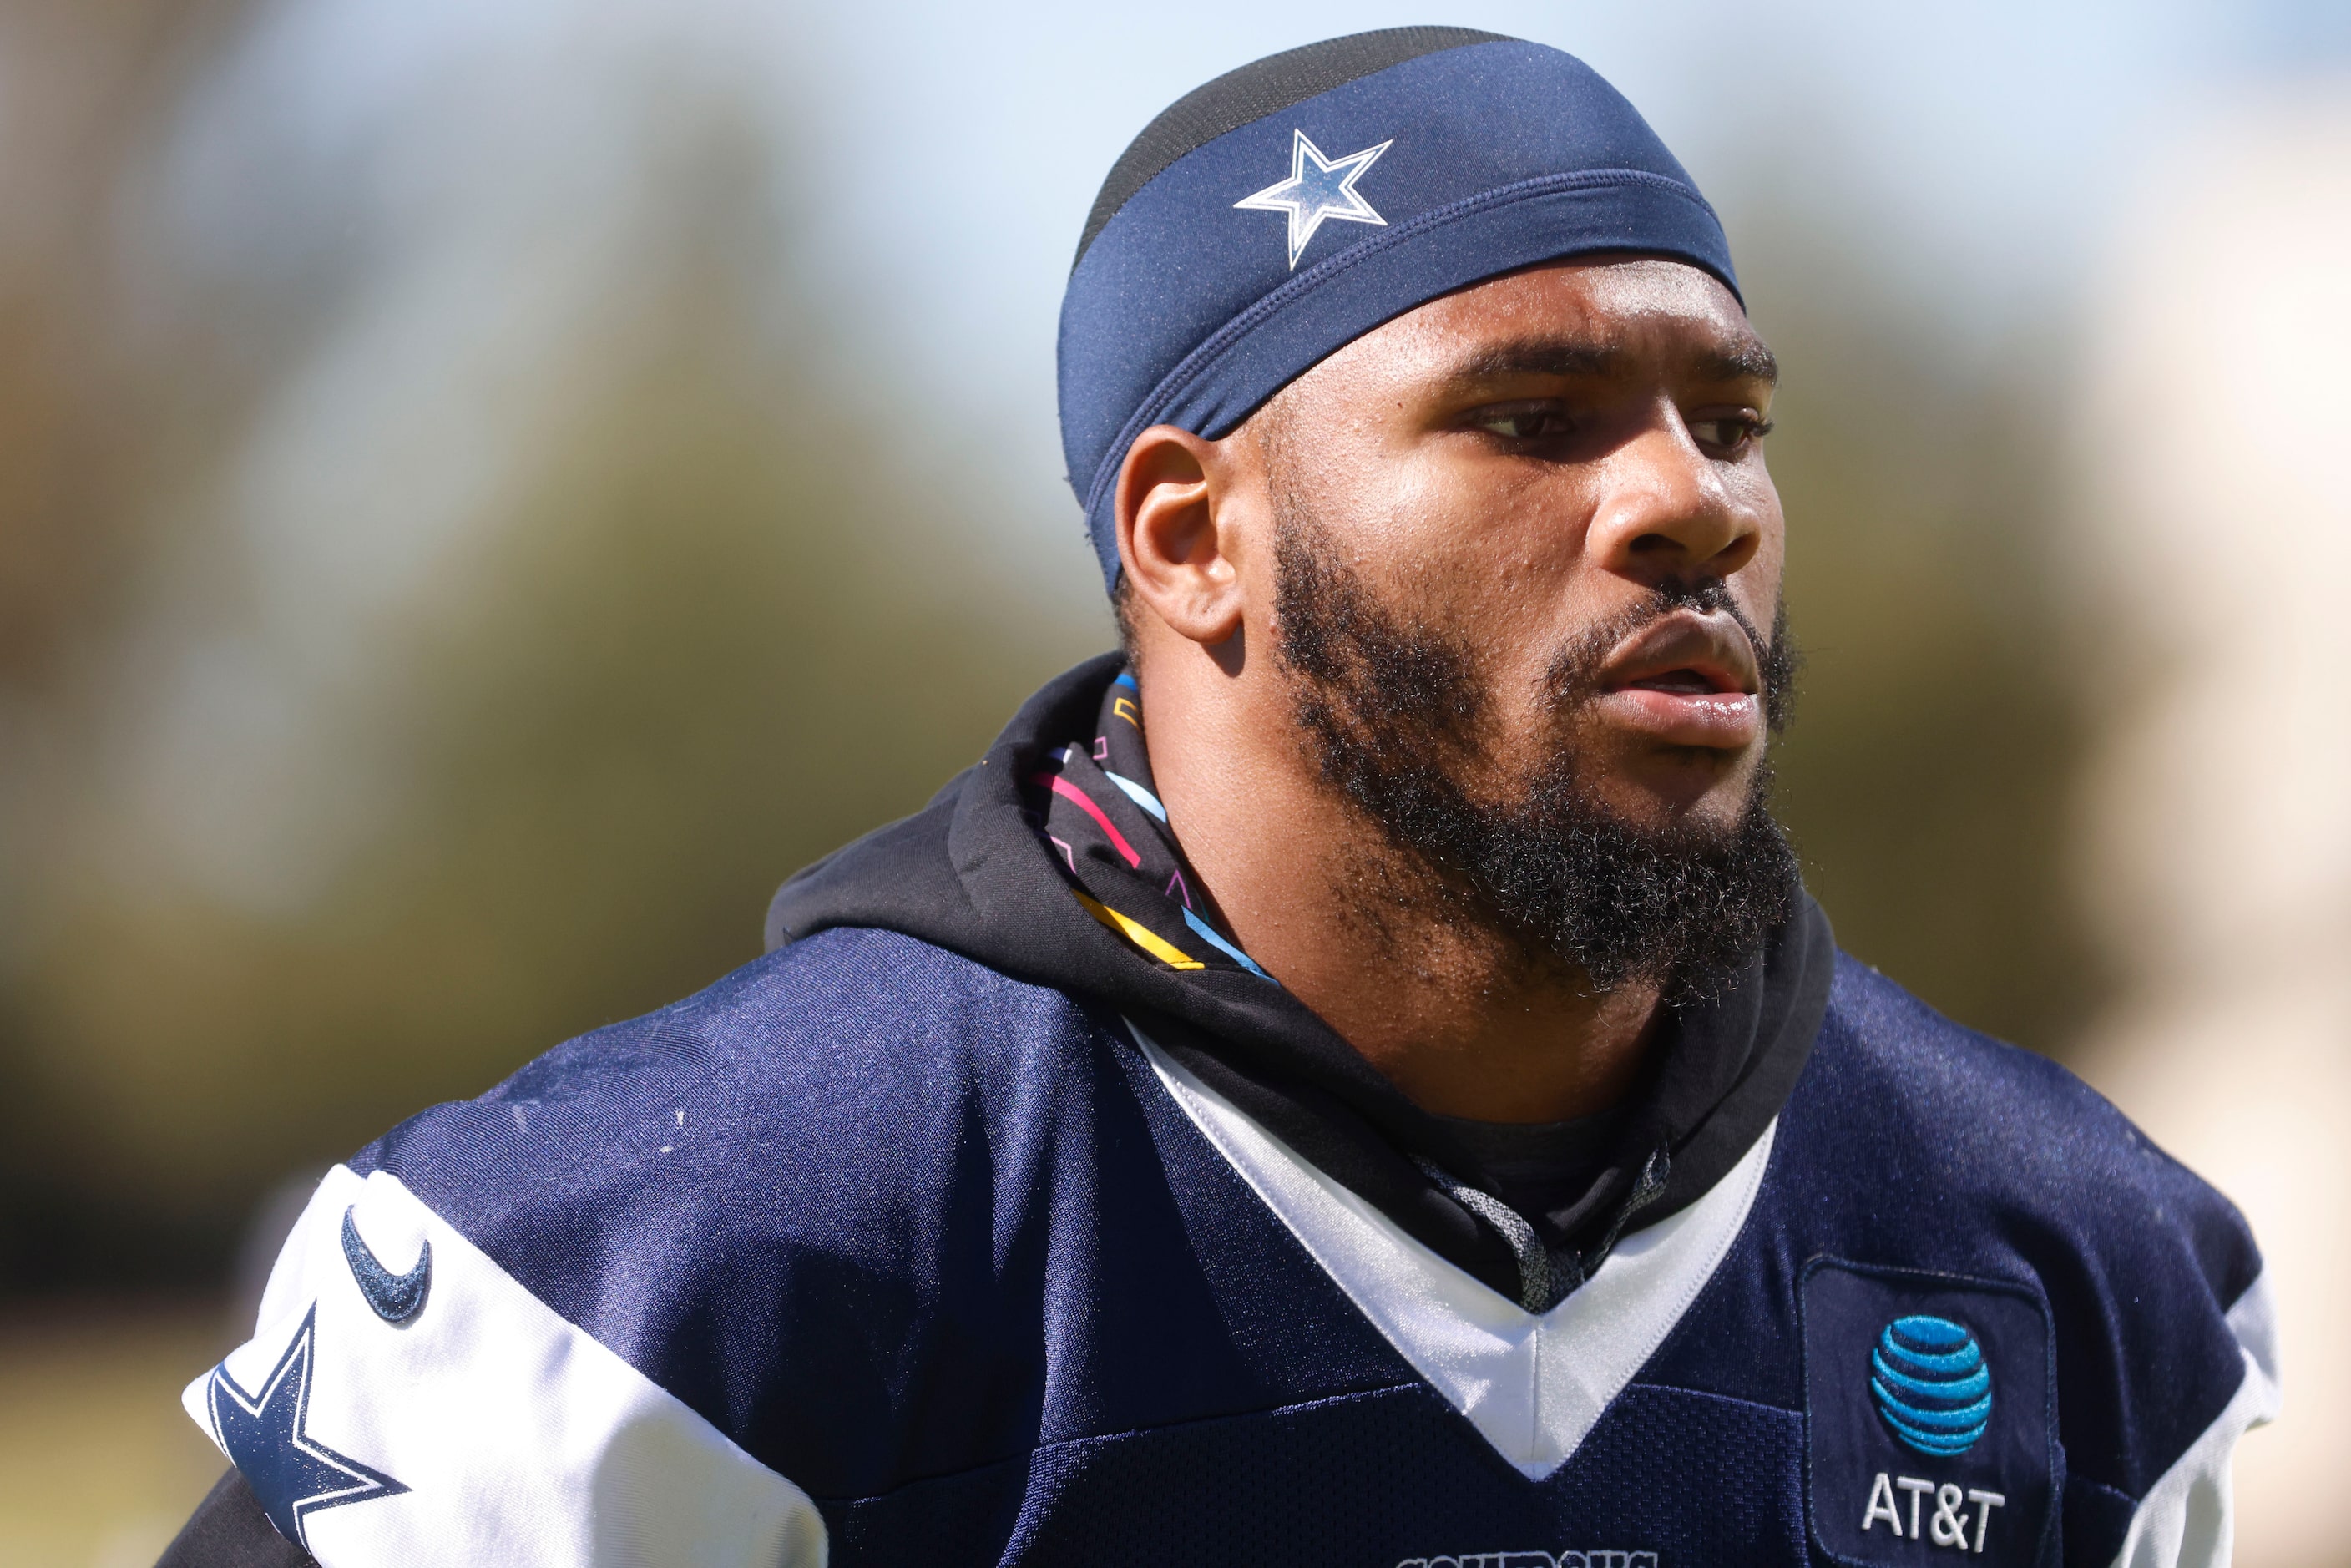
x: 1191, y: 397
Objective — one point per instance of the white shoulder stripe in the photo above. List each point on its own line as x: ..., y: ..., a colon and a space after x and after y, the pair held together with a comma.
x: 507, y: 1435
x: 2187, y: 1518
x: 1533, y: 1385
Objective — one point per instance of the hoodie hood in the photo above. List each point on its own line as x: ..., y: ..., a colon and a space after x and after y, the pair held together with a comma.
x: 981, y: 871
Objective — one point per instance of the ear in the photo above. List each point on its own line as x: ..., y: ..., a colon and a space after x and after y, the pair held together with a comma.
x: 1175, y: 532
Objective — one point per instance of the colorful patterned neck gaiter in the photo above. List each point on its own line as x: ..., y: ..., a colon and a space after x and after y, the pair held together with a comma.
x: 1102, y: 816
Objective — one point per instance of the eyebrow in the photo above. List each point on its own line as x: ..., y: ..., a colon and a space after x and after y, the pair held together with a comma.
x: 1743, y: 359
x: 1746, y: 360
x: 1537, y: 357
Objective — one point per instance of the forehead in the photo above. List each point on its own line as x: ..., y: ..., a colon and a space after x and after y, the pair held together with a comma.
x: 1627, y: 314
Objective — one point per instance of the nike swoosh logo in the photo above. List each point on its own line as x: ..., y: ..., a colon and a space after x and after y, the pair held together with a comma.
x: 396, y: 1298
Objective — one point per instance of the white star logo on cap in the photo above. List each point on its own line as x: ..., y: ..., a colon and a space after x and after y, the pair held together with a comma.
x: 1318, y: 188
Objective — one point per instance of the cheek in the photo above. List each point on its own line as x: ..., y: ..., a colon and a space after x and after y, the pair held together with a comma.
x: 1497, y: 548
x: 1759, y: 581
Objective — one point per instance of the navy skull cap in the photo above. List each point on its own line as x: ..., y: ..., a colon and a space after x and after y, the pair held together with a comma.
x: 1269, y: 218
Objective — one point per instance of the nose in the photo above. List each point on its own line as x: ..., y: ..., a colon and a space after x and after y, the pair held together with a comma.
x: 1669, y: 514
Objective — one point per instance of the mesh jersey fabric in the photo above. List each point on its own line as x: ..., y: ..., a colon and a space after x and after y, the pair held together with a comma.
x: 942, y: 1252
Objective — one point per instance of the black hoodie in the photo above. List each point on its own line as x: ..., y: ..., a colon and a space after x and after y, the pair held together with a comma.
x: 976, y: 872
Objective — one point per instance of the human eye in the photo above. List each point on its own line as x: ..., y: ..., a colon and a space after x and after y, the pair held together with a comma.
x: 1524, y: 421
x: 1729, y: 434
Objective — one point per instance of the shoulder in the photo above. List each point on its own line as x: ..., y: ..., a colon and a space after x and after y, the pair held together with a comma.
x: 811, y: 1152
x: 1953, y: 1118
x: 1880, y: 1039
x: 1916, y: 1146
x: 781, y: 1072
x: 850, y: 1001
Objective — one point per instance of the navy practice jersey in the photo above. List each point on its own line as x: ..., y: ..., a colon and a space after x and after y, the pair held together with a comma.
x: 869, y: 1254
x: 988, y: 1222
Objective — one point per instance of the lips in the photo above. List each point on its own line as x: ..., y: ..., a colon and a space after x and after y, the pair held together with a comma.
x: 1688, y: 678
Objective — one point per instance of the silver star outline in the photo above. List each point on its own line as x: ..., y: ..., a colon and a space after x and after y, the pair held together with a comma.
x: 267, y: 1437
x: 1310, y: 195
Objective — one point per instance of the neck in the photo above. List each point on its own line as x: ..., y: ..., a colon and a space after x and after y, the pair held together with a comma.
x: 1467, y: 1021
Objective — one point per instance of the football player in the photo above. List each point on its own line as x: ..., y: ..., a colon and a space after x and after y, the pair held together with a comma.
x: 1352, y: 1077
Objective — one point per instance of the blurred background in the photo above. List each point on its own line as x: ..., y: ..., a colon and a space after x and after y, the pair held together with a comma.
x: 487, y: 489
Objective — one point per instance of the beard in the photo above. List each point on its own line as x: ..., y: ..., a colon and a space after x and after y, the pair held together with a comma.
x: 1395, y: 716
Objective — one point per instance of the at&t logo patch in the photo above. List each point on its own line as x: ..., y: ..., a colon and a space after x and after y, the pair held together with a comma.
x: 1929, y: 1405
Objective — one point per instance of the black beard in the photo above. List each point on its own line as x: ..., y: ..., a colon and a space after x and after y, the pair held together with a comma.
x: 1393, y: 715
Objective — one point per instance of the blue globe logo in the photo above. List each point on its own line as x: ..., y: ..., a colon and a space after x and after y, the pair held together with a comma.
x: 1931, y: 1384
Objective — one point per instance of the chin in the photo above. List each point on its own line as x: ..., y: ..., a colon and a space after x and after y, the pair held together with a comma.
x: 1685, y: 786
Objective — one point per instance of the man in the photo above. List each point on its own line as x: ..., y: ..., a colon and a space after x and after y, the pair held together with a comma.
x: 1352, y: 1079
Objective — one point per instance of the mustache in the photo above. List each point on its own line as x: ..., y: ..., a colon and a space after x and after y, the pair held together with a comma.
x: 1574, y: 673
